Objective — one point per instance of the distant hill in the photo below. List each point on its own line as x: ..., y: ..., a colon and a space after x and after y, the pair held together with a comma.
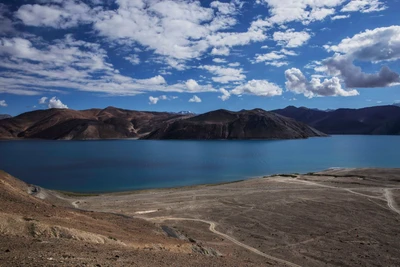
x: 245, y: 124
x: 66, y: 124
x: 380, y: 120
x: 4, y: 116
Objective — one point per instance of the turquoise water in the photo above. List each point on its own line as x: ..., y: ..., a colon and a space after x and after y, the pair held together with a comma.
x: 101, y: 166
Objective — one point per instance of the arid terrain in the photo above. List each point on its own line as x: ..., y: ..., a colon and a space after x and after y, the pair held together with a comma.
x: 339, y: 217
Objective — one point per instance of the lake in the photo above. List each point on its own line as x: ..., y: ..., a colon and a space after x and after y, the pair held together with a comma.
x: 118, y: 165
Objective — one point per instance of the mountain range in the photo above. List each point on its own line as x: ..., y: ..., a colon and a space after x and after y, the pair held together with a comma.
x: 114, y: 123
x: 379, y: 120
x: 225, y: 124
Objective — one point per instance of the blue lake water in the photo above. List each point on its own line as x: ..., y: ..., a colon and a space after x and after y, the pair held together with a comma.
x: 101, y: 166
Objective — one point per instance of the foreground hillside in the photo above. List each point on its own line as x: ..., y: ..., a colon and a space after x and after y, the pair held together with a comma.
x: 38, y: 228
x: 114, y: 123
x: 381, y: 120
x: 245, y: 124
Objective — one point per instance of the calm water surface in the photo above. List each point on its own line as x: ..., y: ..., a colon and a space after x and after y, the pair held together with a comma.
x: 101, y: 166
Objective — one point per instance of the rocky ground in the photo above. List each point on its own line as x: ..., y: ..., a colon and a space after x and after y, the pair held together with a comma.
x: 342, y: 217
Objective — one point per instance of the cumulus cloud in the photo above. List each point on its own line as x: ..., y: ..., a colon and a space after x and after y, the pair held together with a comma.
x: 225, y: 94
x: 3, y: 103
x: 154, y: 100
x: 304, y: 11
x: 224, y: 75
x: 134, y: 59
x: 297, y: 83
x: 220, y: 51
x: 377, y: 45
x: 60, y: 14
x: 54, y: 102
x: 219, y: 60
x: 353, y: 76
x: 291, y: 38
x: 258, y: 88
x: 364, y: 6
x: 275, y: 58
x: 380, y: 44
x: 43, y: 100
x: 195, y: 99
x: 193, y: 86
x: 234, y: 64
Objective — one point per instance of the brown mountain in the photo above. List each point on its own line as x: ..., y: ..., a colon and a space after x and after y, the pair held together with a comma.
x: 380, y: 120
x: 4, y: 116
x: 114, y: 123
x: 70, y: 124
x: 245, y: 124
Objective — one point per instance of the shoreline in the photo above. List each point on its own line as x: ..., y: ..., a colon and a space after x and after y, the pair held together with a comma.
x: 204, y: 185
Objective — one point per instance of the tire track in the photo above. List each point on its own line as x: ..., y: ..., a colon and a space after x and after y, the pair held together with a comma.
x: 233, y: 240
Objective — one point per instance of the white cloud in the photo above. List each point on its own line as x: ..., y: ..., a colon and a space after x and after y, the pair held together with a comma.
x: 225, y: 94
x: 275, y: 58
x: 219, y: 60
x: 193, y: 87
x: 43, y: 100
x: 36, y: 67
x: 156, y: 80
x: 224, y: 8
x: 176, y: 30
x: 224, y: 75
x: 195, y: 99
x: 269, y: 56
x: 61, y: 15
x: 220, y: 51
x: 377, y: 45
x: 179, y: 30
x: 134, y: 59
x: 304, y: 11
x: 380, y: 44
x: 364, y: 6
x: 258, y: 88
x: 291, y: 39
x: 277, y: 64
x: 297, y: 83
x: 3, y: 103
x: 340, y: 17
x: 229, y: 39
x: 153, y: 100
x: 234, y: 64
x: 54, y: 102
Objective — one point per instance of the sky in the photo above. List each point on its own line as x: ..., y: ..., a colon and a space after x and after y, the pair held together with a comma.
x: 187, y: 55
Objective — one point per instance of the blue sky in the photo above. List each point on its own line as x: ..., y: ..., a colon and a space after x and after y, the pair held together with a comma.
x: 198, y: 55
